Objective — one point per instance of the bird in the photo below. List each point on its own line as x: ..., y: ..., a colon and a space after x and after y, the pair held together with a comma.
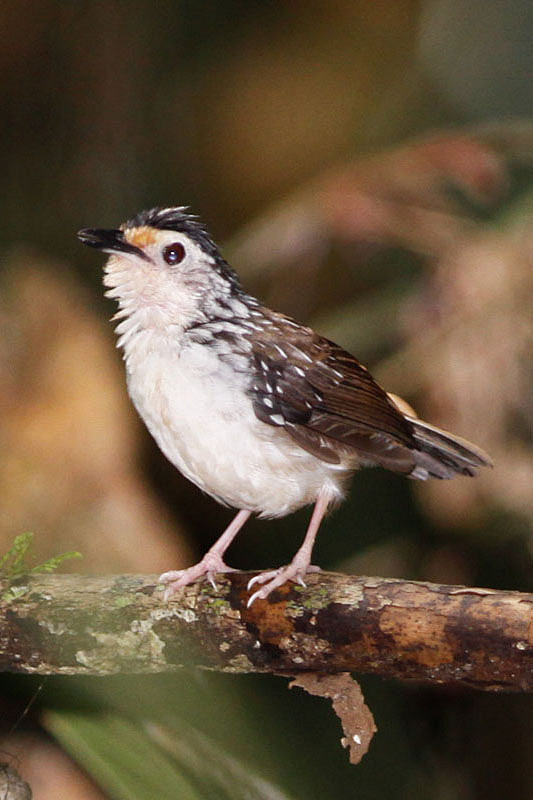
x: 257, y: 410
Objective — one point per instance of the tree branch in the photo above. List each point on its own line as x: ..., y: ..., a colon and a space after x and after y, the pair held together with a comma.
x: 71, y: 624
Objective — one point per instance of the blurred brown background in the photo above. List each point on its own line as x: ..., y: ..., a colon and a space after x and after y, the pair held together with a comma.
x: 369, y: 169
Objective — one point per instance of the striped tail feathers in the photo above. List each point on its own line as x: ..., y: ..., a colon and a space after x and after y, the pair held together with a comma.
x: 440, y: 454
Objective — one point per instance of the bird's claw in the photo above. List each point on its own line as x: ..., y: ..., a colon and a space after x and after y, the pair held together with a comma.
x: 277, y: 577
x: 263, y: 577
x: 209, y: 566
x: 211, y: 578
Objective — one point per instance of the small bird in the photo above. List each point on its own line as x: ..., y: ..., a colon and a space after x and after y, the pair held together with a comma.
x: 260, y: 412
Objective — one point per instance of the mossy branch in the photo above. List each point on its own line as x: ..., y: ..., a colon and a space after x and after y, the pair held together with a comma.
x: 73, y: 624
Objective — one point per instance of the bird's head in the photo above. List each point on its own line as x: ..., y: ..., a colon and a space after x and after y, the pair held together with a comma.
x: 164, y: 268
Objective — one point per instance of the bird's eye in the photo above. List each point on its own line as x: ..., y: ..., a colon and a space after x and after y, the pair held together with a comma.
x: 174, y: 253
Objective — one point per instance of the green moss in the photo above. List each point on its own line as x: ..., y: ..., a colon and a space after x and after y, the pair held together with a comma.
x: 314, y: 599
x: 217, y: 604
x: 13, y: 593
x: 123, y: 600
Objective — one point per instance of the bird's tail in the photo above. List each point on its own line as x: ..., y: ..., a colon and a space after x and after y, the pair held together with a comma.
x: 441, y: 455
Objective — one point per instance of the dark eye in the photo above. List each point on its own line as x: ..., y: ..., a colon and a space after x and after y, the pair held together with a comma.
x: 174, y: 253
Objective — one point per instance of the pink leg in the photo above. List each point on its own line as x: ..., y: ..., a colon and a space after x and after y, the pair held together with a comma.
x: 300, y: 564
x: 210, y: 564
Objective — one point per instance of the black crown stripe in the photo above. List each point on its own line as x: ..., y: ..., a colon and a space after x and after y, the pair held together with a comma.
x: 178, y: 219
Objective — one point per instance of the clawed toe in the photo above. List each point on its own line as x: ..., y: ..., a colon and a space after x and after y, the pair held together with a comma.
x: 210, y: 575
x: 208, y: 566
x: 264, y: 591
x: 275, y: 578
x: 171, y: 590
x: 173, y: 575
x: 263, y: 577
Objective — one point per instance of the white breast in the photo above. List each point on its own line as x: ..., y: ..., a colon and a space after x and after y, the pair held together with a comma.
x: 196, y: 408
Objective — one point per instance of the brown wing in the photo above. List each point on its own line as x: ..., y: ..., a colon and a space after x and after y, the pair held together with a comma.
x: 326, y: 400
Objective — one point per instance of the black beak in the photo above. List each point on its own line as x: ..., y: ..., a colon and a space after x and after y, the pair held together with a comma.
x: 110, y: 241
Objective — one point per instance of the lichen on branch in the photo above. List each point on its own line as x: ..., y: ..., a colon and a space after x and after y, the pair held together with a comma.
x: 72, y: 624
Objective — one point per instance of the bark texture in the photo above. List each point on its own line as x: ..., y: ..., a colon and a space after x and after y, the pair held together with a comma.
x: 71, y: 624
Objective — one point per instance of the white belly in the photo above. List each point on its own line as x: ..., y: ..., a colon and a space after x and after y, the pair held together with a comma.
x: 195, y: 407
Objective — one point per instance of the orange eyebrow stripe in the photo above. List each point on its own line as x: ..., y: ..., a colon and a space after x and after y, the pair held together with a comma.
x: 140, y: 237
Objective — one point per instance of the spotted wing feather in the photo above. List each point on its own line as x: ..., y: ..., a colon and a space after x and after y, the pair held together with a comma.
x: 330, y: 404
x: 327, y: 401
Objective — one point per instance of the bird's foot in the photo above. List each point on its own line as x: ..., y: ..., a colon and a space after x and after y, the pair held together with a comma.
x: 274, y: 578
x: 209, y: 566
